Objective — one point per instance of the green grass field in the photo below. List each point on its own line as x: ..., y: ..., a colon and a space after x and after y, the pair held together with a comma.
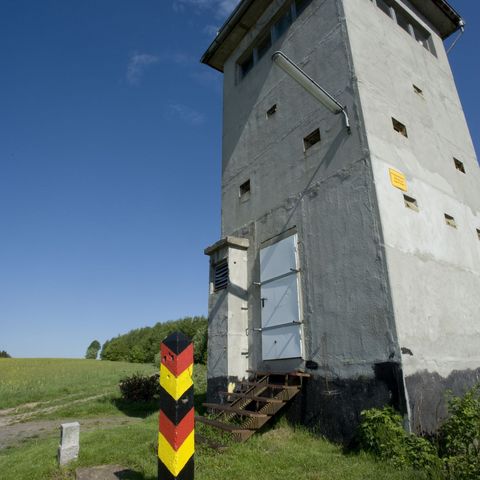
x: 40, y: 380
x: 282, y: 451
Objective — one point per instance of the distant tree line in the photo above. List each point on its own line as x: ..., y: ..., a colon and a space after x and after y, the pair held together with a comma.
x: 4, y: 354
x: 142, y: 345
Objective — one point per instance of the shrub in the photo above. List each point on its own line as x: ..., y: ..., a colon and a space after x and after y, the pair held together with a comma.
x: 4, y: 354
x: 139, y: 388
x: 381, y: 433
x: 459, y: 437
x: 458, y: 453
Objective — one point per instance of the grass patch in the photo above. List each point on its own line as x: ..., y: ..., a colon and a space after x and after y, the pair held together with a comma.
x: 40, y: 380
x: 282, y: 451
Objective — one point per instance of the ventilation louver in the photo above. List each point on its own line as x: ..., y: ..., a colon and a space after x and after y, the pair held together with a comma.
x: 220, y: 276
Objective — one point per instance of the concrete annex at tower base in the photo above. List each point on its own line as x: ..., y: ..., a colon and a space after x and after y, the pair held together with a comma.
x: 350, y: 254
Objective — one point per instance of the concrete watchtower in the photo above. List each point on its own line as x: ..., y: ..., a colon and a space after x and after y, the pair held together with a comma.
x: 352, y: 254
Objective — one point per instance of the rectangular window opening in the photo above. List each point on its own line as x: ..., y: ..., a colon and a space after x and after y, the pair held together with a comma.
x: 407, y: 23
x: 246, y: 65
x: 311, y: 139
x: 478, y: 233
x: 417, y: 90
x: 399, y: 127
x: 220, y: 276
x: 245, y: 189
x: 459, y: 165
x: 264, y: 45
x: 283, y: 24
x: 403, y: 21
x: 301, y: 5
x: 384, y: 7
x: 272, y: 111
x: 449, y: 220
x: 411, y: 203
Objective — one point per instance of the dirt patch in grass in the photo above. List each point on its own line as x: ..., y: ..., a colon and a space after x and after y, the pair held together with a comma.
x: 12, y: 435
x: 6, y: 420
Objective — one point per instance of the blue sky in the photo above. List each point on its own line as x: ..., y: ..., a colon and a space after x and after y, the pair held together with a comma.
x: 110, y: 148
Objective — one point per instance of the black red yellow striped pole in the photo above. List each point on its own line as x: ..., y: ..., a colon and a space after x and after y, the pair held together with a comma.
x: 176, y: 440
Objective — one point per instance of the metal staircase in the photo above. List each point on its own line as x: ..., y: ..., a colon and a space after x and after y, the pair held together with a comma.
x: 253, y: 403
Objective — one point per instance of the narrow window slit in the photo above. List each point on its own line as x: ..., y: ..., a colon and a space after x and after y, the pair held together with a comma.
x: 450, y: 221
x: 244, y: 189
x: 459, y: 165
x: 418, y: 90
x: 399, y: 127
x: 478, y: 233
x: 411, y: 203
x: 272, y: 110
x: 311, y: 139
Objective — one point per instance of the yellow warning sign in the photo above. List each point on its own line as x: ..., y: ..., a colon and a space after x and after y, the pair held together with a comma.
x: 398, y: 180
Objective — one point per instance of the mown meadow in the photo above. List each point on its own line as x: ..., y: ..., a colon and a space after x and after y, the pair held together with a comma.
x: 279, y: 452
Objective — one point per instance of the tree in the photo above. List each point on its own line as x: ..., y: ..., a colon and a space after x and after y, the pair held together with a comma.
x: 4, y: 354
x: 92, y: 350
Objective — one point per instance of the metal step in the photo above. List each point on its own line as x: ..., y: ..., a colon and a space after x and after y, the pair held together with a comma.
x: 239, y: 433
x: 289, y: 374
x: 226, y: 427
x: 236, y: 411
x: 269, y: 385
x: 252, y: 397
x: 268, y: 399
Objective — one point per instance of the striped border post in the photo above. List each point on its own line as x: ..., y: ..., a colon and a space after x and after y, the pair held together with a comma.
x: 176, y: 441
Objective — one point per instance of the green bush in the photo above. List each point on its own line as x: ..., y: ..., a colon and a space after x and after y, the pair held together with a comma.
x: 4, y: 354
x: 381, y: 433
x: 457, y: 455
x: 459, y: 437
x: 139, y: 388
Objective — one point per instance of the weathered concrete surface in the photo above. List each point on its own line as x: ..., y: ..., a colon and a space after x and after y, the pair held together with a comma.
x: 69, y: 443
x: 428, y: 397
x: 106, y: 472
x: 433, y: 269
x: 228, y: 319
x: 326, y: 194
x: 331, y: 407
x: 376, y: 277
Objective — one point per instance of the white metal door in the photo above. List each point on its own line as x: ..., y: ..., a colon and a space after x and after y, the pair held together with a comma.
x: 280, y: 296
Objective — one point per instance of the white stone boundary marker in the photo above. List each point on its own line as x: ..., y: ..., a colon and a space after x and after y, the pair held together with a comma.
x: 69, y: 443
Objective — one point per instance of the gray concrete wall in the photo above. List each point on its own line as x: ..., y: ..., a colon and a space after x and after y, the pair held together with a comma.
x: 434, y: 269
x: 327, y: 194
x: 228, y: 317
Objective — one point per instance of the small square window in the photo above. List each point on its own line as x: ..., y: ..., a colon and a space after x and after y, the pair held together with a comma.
x: 450, y: 221
x: 272, y: 111
x: 245, y: 189
x: 311, y: 139
x: 411, y: 203
x: 399, y: 127
x: 417, y: 90
x: 459, y: 165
